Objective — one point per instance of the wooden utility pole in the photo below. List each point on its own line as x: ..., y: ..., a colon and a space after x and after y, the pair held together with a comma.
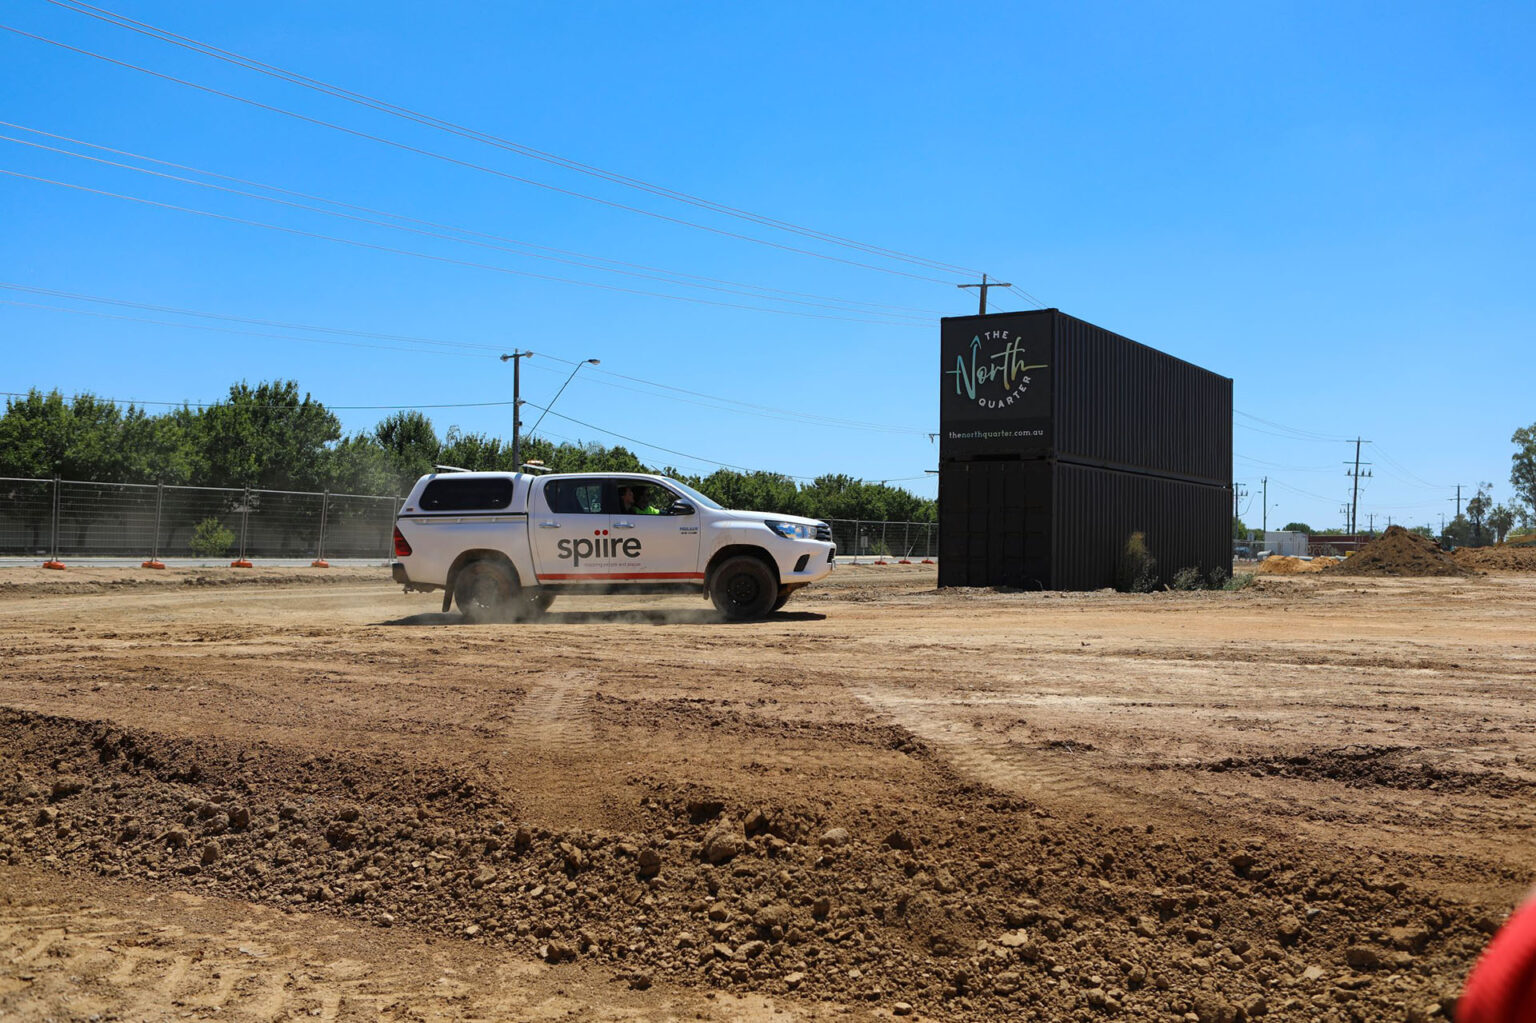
x: 1354, y: 500
x: 984, y: 285
x: 516, y: 359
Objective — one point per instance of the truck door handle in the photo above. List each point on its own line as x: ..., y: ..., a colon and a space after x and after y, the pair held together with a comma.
x: 623, y: 525
x: 549, y: 525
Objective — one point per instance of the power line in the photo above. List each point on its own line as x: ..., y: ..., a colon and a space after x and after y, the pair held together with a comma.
x: 470, y: 164
x: 1304, y: 493
x: 216, y: 329
x: 670, y: 392
x: 28, y: 289
x: 445, y: 259
x: 1024, y: 294
x: 1291, y: 468
x: 620, y: 267
x: 1292, y: 432
x: 383, y: 106
x: 1414, y: 477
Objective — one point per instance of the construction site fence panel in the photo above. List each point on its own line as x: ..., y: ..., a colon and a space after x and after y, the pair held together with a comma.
x: 872, y: 538
x: 72, y: 518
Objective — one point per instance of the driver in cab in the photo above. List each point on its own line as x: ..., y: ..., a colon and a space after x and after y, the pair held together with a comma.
x: 629, y: 504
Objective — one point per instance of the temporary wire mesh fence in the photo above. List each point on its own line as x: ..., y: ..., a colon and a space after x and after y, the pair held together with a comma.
x: 71, y: 518
x: 860, y: 538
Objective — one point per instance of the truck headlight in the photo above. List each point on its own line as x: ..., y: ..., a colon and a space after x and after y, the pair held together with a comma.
x: 791, y: 530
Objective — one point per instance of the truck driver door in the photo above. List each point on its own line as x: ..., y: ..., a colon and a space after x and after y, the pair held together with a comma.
x: 658, y: 541
x: 568, y: 530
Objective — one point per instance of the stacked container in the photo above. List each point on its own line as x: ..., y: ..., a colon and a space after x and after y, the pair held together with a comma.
x: 1059, y: 440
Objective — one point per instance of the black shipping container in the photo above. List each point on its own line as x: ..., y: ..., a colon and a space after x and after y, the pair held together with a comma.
x: 1059, y: 440
x: 1052, y: 525
x: 1043, y: 384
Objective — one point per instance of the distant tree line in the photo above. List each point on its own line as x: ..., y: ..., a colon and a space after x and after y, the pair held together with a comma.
x: 273, y: 437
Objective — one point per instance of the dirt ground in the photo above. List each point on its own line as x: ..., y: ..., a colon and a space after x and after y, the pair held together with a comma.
x: 291, y: 794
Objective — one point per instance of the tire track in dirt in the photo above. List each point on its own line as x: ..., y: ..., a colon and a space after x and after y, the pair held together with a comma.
x: 551, y: 748
x: 1056, y: 779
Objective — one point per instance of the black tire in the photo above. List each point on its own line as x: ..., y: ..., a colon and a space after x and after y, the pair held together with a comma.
x: 782, y: 599
x: 484, y: 591
x: 531, y: 604
x: 743, y: 587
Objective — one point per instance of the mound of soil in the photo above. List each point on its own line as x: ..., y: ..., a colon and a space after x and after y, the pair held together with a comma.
x: 999, y: 911
x: 1503, y: 558
x: 1282, y: 564
x: 1399, y: 552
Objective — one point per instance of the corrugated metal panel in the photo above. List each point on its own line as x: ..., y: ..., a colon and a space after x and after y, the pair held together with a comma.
x: 1061, y: 439
x: 994, y: 524
x: 1120, y: 404
x: 1095, y: 511
x: 1056, y: 525
x: 1109, y: 401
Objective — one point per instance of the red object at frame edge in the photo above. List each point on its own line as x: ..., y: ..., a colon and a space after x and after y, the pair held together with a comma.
x: 1502, y: 986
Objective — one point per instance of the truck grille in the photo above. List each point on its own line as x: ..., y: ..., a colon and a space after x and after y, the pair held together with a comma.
x: 823, y: 532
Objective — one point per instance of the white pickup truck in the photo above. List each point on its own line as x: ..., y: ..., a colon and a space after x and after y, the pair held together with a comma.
x: 501, y: 545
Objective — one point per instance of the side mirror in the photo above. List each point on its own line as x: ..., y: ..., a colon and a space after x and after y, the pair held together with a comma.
x: 680, y: 508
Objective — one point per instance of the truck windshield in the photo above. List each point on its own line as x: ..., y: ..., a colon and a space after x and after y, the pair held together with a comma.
x: 694, y: 495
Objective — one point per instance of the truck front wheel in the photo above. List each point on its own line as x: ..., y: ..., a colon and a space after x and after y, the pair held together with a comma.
x: 483, y: 590
x: 742, y: 588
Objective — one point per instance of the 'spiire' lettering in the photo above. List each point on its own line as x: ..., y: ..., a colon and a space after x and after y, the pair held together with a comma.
x: 597, y: 547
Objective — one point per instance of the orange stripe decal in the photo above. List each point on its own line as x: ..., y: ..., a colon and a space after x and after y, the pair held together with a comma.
x: 579, y: 576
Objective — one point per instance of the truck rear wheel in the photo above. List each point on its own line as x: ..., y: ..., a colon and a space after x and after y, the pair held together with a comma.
x: 531, y: 604
x: 742, y: 588
x: 484, y: 590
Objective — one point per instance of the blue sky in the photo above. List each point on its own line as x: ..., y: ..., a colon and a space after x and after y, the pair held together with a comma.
x: 1331, y: 204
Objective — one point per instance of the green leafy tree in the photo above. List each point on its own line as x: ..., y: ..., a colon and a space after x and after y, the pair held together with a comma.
x: 1477, y: 509
x: 42, y: 435
x: 475, y: 452
x: 1458, y: 532
x: 210, y: 539
x: 1522, y: 472
x: 359, y: 465
x: 266, y: 437
x: 1501, y: 520
x: 1297, y: 527
x: 759, y: 491
x: 409, y: 442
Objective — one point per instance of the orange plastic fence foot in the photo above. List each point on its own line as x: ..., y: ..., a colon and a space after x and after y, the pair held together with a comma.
x: 242, y: 563
x: 152, y: 563
x: 904, y: 561
x: 928, y: 561
x: 319, y: 563
x: 57, y: 565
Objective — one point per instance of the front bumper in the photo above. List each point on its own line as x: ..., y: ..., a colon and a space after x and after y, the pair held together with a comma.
x: 804, y: 561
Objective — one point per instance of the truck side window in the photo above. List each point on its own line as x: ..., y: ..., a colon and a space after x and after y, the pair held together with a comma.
x: 574, y: 497
x: 474, y: 494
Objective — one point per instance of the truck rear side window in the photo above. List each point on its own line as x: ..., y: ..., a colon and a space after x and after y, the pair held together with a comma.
x: 450, y: 494
x: 574, y: 497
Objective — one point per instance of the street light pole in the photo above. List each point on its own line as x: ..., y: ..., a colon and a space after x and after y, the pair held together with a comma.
x: 517, y: 404
x: 593, y: 362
